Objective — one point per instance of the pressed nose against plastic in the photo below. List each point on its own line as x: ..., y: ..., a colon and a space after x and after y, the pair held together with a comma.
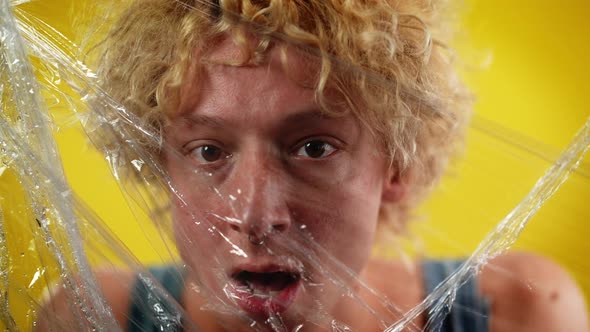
x: 260, y: 206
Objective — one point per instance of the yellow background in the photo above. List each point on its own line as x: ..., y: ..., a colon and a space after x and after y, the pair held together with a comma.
x: 526, y: 62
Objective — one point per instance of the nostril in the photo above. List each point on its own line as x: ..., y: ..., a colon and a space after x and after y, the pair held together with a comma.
x: 279, y: 227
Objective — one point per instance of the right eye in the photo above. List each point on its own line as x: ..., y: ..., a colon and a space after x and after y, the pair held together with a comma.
x: 208, y: 154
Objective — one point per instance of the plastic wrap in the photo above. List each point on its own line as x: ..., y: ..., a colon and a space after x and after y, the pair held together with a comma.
x: 244, y: 226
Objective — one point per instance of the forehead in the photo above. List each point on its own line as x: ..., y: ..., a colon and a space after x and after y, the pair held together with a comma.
x: 278, y: 86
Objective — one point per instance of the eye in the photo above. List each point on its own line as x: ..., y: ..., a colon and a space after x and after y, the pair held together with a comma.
x: 315, y: 149
x: 208, y: 153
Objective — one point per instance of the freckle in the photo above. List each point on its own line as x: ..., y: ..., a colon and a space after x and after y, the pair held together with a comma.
x: 554, y: 296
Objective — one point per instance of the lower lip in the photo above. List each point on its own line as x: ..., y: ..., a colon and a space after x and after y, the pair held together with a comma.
x: 265, y: 307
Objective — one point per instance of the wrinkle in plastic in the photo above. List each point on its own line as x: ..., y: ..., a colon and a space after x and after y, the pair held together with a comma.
x: 68, y: 244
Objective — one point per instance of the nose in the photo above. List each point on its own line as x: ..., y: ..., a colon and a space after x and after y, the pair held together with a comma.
x: 259, y: 203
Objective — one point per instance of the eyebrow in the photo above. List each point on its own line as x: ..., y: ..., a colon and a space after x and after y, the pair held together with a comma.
x: 204, y: 120
x: 312, y: 113
x: 303, y: 119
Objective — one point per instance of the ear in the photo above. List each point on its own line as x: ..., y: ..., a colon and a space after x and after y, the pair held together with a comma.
x: 395, y: 186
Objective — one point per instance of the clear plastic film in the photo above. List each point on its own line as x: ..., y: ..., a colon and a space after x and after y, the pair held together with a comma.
x: 274, y: 160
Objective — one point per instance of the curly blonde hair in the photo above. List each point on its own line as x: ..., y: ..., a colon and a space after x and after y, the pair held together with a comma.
x: 382, y: 52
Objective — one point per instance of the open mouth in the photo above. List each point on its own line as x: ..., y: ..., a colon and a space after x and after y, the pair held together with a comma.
x: 265, y: 293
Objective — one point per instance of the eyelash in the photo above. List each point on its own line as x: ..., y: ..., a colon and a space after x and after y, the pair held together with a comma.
x: 222, y: 154
x: 197, y: 152
x: 300, y: 147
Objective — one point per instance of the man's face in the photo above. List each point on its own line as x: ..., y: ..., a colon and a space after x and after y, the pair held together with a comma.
x: 271, y: 194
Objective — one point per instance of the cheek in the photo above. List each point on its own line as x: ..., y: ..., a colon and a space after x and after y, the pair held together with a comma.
x: 196, y: 236
x: 189, y: 232
x: 343, y: 220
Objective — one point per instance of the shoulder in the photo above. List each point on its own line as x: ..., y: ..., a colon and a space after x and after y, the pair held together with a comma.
x: 529, y: 292
x: 56, y: 315
x: 117, y: 286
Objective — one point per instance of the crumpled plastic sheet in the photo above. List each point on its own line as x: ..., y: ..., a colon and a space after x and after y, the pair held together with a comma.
x: 68, y: 241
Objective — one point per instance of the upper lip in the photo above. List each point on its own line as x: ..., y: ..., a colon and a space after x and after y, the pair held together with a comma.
x: 269, y: 267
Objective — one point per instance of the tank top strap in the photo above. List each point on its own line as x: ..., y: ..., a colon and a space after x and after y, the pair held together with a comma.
x: 470, y: 310
x: 151, y: 311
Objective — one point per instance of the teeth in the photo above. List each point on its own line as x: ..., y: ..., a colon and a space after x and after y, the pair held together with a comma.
x: 262, y: 294
x: 243, y: 289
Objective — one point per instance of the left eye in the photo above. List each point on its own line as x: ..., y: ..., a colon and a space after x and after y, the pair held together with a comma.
x: 207, y: 154
x: 315, y: 149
